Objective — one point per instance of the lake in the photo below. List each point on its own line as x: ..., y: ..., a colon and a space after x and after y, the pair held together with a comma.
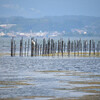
x: 26, y: 78
x: 48, y: 78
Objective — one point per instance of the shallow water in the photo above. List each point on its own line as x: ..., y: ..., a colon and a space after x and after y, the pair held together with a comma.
x: 5, y: 43
x: 47, y: 78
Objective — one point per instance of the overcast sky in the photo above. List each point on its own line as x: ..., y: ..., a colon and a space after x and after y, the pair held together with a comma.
x: 41, y: 8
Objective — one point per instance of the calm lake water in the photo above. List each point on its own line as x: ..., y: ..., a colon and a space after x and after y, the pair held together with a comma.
x: 48, y: 78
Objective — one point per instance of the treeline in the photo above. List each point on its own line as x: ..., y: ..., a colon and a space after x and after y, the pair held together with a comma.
x: 57, y: 23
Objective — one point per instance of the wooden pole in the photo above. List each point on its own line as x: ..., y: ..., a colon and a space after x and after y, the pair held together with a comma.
x: 93, y: 46
x: 74, y: 48
x: 44, y: 42
x: 62, y: 48
x: 36, y: 48
x: 21, y: 47
x: 97, y: 49
x: 12, y: 47
x: 25, y: 48
x: 77, y: 47
x: 40, y: 49
x: 32, y: 46
x: 48, y: 46
x: 58, y: 47
x: 90, y: 48
x: 28, y: 47
x: 68, y: 47
x: 81, y: 46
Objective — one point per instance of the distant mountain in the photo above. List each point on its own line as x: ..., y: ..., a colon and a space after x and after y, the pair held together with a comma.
x: 69, y: 25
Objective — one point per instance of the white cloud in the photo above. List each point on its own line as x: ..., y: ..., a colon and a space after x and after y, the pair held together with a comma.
x: 11, y: 6
x: 35, y: 10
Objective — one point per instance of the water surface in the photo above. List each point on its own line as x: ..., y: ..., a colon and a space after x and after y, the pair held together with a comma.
x: 49, y: 78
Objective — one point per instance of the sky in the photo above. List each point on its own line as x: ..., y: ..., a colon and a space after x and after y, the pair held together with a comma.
x: 41, y: 8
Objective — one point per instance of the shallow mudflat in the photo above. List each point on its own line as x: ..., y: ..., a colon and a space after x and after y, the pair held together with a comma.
x: 47, y: 78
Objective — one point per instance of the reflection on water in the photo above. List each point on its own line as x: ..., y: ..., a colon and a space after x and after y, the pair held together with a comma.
x: 49, y: 78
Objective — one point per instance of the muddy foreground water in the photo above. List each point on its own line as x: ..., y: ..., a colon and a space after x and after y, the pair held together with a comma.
x: 47, y: 78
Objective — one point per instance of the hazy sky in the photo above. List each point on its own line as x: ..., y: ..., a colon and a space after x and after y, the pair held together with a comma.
x: 40, y: 8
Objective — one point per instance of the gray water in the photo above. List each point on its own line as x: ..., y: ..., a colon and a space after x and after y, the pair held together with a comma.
x: 47, y: 78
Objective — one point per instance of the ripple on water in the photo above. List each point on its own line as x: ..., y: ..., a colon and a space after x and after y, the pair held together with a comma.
x: 49, y: 78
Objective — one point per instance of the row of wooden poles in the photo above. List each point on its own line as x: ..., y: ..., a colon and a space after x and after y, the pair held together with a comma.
x: 55, y: 48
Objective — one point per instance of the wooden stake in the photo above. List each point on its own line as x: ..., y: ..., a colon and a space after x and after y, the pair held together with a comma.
x: 12, y: 47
